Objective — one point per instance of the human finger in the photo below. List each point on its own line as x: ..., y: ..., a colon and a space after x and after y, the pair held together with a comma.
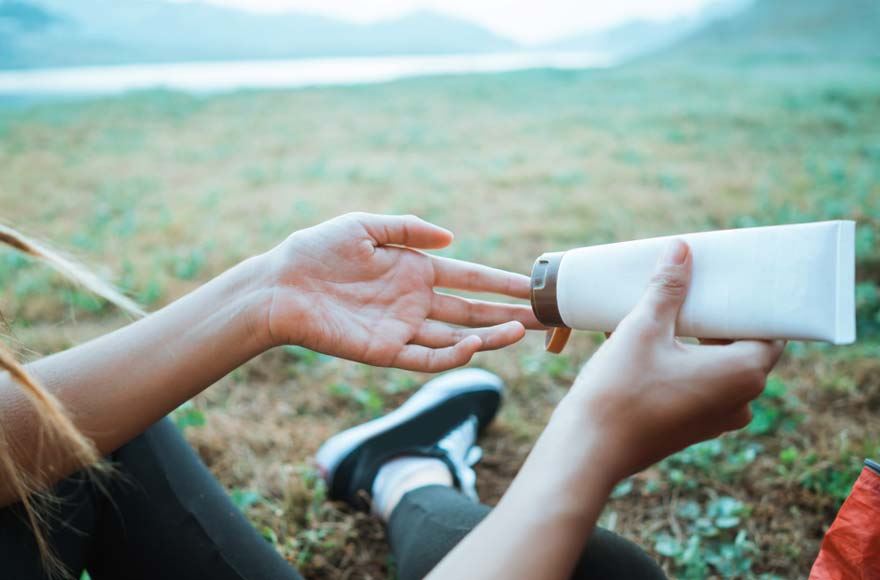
x: 468, y: 312
x: 663, y: 298
x: 403, y: 230
x: 462, y: 275
x: 760, y: 355
x: 435, y: 334
x: 737, y: 372
x: 414, y: 357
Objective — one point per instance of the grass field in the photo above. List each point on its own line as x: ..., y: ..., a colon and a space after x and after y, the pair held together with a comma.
x: 161, y: 191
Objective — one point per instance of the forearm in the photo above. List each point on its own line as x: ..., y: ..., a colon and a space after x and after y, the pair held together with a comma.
x: 543, y: 522
x: 117, y: 385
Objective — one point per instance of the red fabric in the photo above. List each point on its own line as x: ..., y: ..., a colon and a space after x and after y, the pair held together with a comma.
x: 851, y: 548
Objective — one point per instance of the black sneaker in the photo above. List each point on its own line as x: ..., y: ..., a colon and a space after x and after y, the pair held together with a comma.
x: 442, y: 419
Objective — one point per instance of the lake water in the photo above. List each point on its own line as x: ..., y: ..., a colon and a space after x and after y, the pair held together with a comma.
x: 210, y: 77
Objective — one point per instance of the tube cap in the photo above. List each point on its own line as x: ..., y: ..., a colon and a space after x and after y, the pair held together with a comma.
x: 544, y: 303
x: 543, y: 289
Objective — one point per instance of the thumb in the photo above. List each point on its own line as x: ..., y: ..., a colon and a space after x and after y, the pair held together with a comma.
x: 404, y: 230
x: 669, y: 285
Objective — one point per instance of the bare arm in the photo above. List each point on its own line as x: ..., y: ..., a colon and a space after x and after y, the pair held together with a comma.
x: 346, y: 288
x: 116, y: 385
x: 540, y: 526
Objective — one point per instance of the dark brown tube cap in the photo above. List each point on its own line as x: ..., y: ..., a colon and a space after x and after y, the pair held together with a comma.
x: 543, y: 289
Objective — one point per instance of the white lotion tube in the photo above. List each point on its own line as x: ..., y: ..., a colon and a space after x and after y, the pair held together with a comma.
x: 793, y: 282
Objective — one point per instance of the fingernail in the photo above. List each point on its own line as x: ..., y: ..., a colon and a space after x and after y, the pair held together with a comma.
x: 675, y: 253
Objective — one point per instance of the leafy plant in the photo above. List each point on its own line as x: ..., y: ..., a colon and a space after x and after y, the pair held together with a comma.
x: 868, y: 309
x: 313, y: 538
x: 82, y: 300
x: 188, y: 265
x: 724, y: 458
x: 833, y: 478
x: 622, y: 489
x: 776, y: 409
x: 187, y: 415
x: 303, y: 356
x: 714, y: 544
x: 245, y: 498
x: 368, y: 400
x: 836, y: 479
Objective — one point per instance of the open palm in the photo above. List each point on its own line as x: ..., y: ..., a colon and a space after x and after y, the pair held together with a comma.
x: 358, y: 288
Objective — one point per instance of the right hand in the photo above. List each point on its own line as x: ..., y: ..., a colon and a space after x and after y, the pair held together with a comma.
x: 646, y: 395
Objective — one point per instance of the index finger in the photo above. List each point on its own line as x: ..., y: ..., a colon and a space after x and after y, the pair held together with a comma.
x: 461, y: 275
x: 759, y: 355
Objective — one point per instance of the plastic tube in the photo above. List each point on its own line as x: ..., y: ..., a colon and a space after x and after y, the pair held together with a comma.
x: 794, y: 282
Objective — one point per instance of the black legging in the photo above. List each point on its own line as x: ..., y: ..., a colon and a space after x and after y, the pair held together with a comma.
x: 163, y: 515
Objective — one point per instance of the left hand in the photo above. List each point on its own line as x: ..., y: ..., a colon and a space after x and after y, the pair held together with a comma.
x: 356, y: 287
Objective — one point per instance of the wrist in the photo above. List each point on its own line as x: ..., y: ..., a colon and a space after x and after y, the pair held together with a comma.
x: 278, y: 302
x: 570, y: 471
x: 591, y: 449
x: 251, y: 285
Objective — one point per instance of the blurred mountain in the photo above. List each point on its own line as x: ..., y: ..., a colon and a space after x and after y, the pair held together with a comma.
x: 44, y: 33
x: 811, y: 28
x: 628, y: 39
x: 40, y: 33
x: 638, y: 37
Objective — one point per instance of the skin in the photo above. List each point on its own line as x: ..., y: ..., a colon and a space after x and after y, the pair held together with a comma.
x: 642, y: 396
x: 356, y: 287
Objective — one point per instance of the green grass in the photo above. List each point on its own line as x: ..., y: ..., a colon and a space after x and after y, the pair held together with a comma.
x: 166, y: 190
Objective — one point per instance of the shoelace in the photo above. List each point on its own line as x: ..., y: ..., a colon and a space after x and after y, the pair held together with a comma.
x: 463, y: 463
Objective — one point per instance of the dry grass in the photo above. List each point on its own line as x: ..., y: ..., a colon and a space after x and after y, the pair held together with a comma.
x: 167, y: 190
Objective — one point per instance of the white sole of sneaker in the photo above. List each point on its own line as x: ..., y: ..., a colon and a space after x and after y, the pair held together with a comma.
x: 446, y: 386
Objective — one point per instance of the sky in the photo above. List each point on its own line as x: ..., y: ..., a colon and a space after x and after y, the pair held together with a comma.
x: 526, y: 21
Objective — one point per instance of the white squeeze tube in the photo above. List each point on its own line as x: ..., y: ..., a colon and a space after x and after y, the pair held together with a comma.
x: 794, y: 282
